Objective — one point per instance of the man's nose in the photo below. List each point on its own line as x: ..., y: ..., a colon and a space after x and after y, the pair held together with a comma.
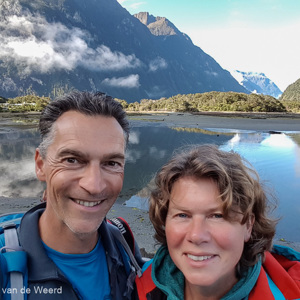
x: 198, y: 231
x: 93, y: 180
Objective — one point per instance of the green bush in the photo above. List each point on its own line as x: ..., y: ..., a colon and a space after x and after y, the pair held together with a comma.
x: 27, y: 103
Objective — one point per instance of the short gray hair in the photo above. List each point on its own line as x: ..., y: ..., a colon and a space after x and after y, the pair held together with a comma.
x: 91, y: 104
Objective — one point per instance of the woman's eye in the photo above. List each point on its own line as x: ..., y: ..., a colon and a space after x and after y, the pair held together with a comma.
x: 217, y: 216
x: 182, y: 215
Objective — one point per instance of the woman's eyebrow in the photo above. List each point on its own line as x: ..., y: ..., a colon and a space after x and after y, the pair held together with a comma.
x: 184, y: 208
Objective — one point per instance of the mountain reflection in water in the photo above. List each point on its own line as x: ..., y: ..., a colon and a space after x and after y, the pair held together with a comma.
x: 276, y: 157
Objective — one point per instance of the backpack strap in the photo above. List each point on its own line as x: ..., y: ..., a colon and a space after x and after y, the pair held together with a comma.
x: 119, y: 237
x: 125, y: 230
x: 15, y: 258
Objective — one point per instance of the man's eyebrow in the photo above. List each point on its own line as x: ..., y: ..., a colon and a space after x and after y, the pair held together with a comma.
x: 76, y: 153
x: 116, y: 155
x: 68, y: 152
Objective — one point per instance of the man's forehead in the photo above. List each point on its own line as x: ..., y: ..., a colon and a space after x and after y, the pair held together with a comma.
x: 74, y: 129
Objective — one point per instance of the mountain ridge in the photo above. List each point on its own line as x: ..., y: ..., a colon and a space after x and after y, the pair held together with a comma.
x: 50, y: 47
x: 257, y: 83
x: 292, y: 92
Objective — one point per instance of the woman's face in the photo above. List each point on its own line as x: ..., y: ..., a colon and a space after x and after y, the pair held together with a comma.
x: 202, y: 244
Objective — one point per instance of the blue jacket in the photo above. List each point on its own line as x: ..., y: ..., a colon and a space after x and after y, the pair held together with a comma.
x: 43, y: 273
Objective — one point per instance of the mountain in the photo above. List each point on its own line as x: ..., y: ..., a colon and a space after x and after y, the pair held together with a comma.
x: 257, y: 83
x: 292, y: 92
x: 3, y: 100
x: 51, y: 46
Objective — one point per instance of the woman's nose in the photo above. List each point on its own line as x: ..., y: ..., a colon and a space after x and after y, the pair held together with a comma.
x: 198, y: 231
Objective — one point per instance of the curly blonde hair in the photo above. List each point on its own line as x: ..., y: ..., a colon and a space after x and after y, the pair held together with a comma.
x: 239, y: 187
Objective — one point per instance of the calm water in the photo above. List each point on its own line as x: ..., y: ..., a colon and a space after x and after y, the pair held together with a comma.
x: 275, y: 156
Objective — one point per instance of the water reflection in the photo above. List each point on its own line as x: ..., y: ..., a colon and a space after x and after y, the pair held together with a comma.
x: 276, y: 156
x: 17, y: 150
x: 151, y: 146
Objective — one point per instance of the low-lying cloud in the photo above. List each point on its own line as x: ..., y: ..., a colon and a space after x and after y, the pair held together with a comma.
x: 36, y: 45
x: 157, y: 63
x: 131, y: 81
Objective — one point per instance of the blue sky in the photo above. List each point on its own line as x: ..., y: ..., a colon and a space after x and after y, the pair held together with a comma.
x: 246, y: 35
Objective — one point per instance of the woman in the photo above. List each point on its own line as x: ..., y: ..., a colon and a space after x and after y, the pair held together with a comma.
x: 209, y: 211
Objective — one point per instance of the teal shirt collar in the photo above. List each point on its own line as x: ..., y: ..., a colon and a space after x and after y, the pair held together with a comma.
x: 170, y: 279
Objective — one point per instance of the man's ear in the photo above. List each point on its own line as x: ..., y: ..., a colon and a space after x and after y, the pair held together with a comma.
x: 39, y: 166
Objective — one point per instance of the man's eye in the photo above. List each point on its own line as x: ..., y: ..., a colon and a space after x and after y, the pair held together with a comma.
x: 113, y: 163
x: 71, y: 160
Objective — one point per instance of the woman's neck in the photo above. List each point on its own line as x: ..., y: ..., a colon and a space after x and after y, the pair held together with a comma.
x: 215, y: 292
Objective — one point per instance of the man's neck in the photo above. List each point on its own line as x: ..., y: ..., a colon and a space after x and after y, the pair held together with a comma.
x: 60, y: 238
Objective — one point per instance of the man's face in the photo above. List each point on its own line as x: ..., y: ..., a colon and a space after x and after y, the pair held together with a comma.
x: 83, y: 169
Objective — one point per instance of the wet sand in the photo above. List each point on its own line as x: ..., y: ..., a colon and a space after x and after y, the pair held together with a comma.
x: 138, y: 219
x: 240, y: 121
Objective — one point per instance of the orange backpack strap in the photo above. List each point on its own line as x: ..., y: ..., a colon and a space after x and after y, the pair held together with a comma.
x: 261, y: 289
x: 274, y: 268
x: 145, y: 283
x: 291, y: 266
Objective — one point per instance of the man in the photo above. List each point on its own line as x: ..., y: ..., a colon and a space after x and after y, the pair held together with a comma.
x: 71, y: 250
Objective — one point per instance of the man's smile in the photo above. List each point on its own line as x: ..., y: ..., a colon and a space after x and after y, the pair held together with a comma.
x: 87, y: 203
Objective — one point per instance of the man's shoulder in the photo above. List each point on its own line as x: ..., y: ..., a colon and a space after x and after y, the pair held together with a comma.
x: 9, y: 221
x: 24, y: 220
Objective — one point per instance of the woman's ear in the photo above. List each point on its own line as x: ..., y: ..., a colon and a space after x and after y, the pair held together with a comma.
x: 39, y: 166
x: 249, y: 226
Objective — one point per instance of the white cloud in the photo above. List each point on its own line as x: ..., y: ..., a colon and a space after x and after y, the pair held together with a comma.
x: 35, y: 44
x: 132, y: 155
x: 134, y: 137
x: 156, y: 64
x: 19, y: 171
x: 131, y: 81
x: 156, y: 153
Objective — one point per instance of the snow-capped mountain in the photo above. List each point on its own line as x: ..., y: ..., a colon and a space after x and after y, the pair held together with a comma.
x: 257, y: 83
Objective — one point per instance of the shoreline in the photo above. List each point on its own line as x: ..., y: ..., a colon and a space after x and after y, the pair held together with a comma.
x: 266, y: 121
